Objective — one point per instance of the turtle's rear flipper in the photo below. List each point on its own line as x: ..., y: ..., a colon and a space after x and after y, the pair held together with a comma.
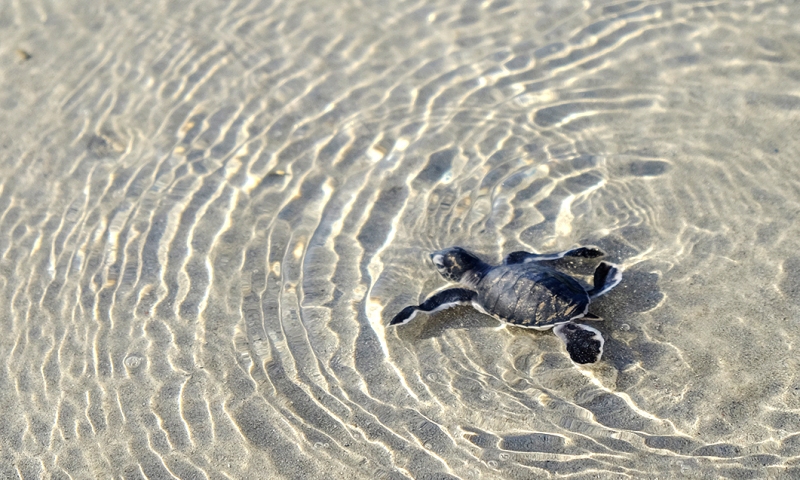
x: 524, y: 257
x: 606, y: 276
x: 584, y: 344
x: 444, y: 299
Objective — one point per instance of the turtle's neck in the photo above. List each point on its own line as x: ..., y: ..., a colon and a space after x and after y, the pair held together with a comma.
x: 474, y: 276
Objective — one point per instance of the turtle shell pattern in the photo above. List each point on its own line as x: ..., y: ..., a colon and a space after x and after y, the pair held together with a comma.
x: 531, y: 295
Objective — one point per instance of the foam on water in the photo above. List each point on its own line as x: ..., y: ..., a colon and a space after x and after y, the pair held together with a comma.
x: 209, y: 212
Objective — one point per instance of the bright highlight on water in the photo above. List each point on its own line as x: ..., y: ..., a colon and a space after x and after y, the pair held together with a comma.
x: 210, y: 212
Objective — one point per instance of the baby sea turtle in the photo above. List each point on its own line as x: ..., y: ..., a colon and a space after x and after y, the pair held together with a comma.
x: 524, y: 291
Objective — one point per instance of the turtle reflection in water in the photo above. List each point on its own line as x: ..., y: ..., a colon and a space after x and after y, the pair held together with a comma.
x: 526, y: 292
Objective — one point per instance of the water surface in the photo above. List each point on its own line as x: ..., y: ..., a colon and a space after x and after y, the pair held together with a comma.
x: 209, y: 211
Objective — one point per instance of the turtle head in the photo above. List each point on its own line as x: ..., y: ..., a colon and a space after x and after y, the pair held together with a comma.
x: 458, y: 265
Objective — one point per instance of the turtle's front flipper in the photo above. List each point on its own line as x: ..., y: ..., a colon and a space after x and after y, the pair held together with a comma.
x: 524, y: 257
x: 606, y: 276
x: 584, y: 344
x: 444, y: 299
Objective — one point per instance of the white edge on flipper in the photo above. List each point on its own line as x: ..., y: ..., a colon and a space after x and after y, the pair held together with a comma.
x: 559, y: 255
x: 543, y: 258
x: 441, y: 307
x: 477, y: 306
x: 597, y: 335
x: 411, y: 317
x: 611, y: 282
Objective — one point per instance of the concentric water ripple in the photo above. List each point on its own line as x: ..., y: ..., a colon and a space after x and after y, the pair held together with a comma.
x: 209, y: 212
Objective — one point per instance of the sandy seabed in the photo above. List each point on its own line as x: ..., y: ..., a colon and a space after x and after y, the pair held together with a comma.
x: 209, y: 211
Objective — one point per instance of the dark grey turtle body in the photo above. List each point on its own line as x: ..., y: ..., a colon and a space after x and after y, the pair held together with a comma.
x: 525, y: 291
x: 531, y: 295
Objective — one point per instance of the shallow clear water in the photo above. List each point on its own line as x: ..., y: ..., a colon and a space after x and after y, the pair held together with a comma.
x: 210, y: 211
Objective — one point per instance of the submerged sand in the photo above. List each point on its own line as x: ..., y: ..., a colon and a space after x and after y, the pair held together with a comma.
x: 210, y: 211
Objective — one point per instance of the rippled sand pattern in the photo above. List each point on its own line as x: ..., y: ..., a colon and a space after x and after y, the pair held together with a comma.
x: 209, y: 211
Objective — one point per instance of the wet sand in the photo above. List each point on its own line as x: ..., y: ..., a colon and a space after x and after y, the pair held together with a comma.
x: 210, y: 212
